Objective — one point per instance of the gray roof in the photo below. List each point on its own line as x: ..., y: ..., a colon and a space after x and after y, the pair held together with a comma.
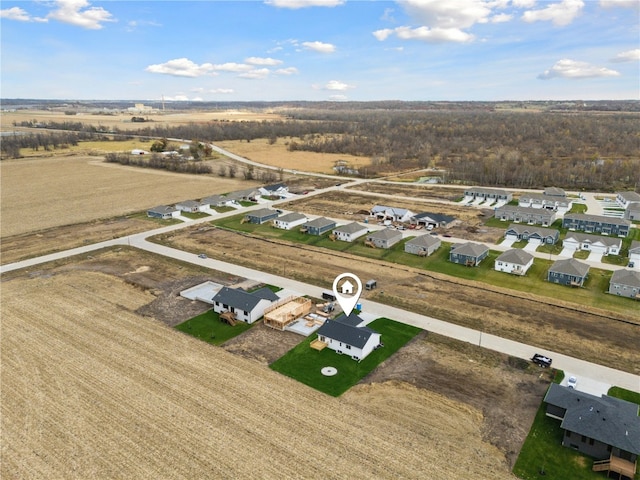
x: 555, y: 192
x: 629, y: 196
x: 609, y: 420
x: 353, y: 227
x: 545, y: 198
x: 266, y: 293
x: 630, y: 278
x: 570, y: 266
x: 214, y: 199
x: 521, y: 228
x: 385, y: 234
x: 237, y: 298
x: 292, y: 217
x: 262, y: 212
x: 635, y: 247
x: 275, y: 187
x: 526, y: 210
x: 585, y: 237
x: 320, y: 222
x: 189, y: 203
x: 162, y: 209
x: 424, y: 241
x: 516, y: 256
x: 597, y: 218
x: 352, y: 319
x: 436, y: 217
x: 487, y: 190
x: 346, y: 333
x: 470, y: 249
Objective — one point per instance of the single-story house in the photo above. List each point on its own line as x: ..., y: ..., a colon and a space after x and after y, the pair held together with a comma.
x: 385, y: 238
x: 290, y: 220
x: 555, y: 192
x: 261, y: 215
x: 382, y: 212
x: 191, y: 206
x: 469, y: 254
x: 634, y: 254
x: 423, y: 245
x: 541, y: 200
x: 247, y: 307
x: 606, y: 428
x: 531, y: 216
x: 218, y: 201
x: 163, y: 211
x: 248, y: 195
x: 318, y: 226
x: 349, y: 232
x: 515, y: 261
x: 434, y: 220
x: 625, y: 283
x: 488, y: 194
x: 275, y: 190
x: 593, y: 243
x: 517, y: 231
x: 624, y: 199
x: 568, y: 272
x: 632, y: 212
x: 596, y: 224
x: 347, y: 335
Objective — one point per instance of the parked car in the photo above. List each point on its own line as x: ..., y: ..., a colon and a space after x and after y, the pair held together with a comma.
x: 571, y: 383
x: 202, y: 255
x: 541, y: 360
x: 435, y: 234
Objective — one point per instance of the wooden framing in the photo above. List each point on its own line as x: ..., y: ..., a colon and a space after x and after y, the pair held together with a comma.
x: 286, y: 311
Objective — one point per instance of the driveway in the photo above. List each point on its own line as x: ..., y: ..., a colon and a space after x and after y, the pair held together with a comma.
x: 567, y: 252
x: 507, y: 242
x: 532, y: 245
x: 594, y: 257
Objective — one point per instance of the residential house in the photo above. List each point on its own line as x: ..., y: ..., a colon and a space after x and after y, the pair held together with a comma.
x: 382, y: 212
x: 596, y: 224
x: 432, y: 220
x: 385, y: 238
x: 515, y: 261
x: 469, y: 254
x: 488, y: 194
x: 248, y: 195
x: 290, y: 220
x: 625, y: 283
x: 219, y: 201
x: 191, y: 206
x: 593, y: 243
x: 279, y: 190
x: 348, y: 335
x: 606, y: 428
x: 247, y: 307
x: 517, y: 231
x: 531, y: 216
x: 634, y: 254
x: 548, y: 202
x: 163, y: 211
x: 423, y: 245
x: 568, y: 272
x: 554, y: 192
x: 349, y: 232
x: 261, y: 215
x: 318, y: 226
x: 624, y: 199
x: 632, y: 212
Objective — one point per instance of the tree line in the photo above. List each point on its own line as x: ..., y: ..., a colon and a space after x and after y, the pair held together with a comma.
x: 172, y: 163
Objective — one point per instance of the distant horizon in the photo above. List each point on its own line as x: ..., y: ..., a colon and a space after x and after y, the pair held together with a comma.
x: 321, y: 50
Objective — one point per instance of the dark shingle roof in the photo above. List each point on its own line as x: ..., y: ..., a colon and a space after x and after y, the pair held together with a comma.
x: 424, y: 241
x: 597, y: 218
x: 630, y: 278
x: 470, y: 249
x: 292, y: 217
x: 516, y: 256
x: 261, y: 213
x: 237, y: 298
x: 353, y: 227
x: 320, y: 223
x: 570, y: 266
x: 346, y: 333
x: 266, y: 293
x: 607, y: 419
x: 386, y: 234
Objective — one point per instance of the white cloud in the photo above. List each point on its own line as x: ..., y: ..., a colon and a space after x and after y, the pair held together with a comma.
x: 256, y: 74
x: 182, y: 67
x: 222, y: 90
x: 523, y: 3
x: 383, y: 34
x: 319, y: 47
x: 459, y: 14
x: 232, y: 67
x: 426, y: 34
x: 337, y: 85
x: 177, y: 98
x: 620, y: 4
x: 294, y: 4
x: 287, y: 71
x: 20, y: 15
x: 501, y: 18
x: 262, y: 61
x: 574, y: 69
x: 78, y: 12
x: 628, y: 56
x: 560, y: 14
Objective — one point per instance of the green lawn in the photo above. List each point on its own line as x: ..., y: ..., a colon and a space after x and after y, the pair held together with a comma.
x: 303, y: 363
x: 195, y: 215
x: 209, y: 328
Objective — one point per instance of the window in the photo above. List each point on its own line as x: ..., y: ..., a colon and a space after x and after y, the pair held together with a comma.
x: 568, y: 433
x: 348, y: 347
x: 591, y: 441
x: 583, y: 439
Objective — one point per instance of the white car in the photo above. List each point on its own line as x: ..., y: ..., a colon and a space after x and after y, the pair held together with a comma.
x: 571, y: 383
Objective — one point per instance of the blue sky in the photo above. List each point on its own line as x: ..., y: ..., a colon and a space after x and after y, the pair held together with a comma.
x: 278, y: 50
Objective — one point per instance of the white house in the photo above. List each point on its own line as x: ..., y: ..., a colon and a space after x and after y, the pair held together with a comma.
x: 192, y: 206
x: 515, y: 261
x: 624, y: 199
x: 593, y: 243
x: 349, y: 232
x: 290, y: 220
x: 163, y: 211
x: 634, y: 254
x: 247, y: 307
x: 382, y: 212
x: 548, y: 202
x: 347, y: 335
x: 275, y: 190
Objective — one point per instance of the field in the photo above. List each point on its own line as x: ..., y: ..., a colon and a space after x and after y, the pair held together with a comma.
x: 92, y: 389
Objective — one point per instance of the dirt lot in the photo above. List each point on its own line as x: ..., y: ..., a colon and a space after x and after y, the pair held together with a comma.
x: 93, y: 389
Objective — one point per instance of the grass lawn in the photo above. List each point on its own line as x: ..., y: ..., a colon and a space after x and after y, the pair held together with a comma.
x: 543, y: 450
x: 159, y: 221
x: 303, y: 364
x: 209, y: 328
x: 195, y: 215
x: 578, y: 208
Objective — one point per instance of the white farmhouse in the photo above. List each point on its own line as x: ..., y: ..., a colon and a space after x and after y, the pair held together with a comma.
x: 346, y: 335
x: 247, y: 307
x: 290, y: 220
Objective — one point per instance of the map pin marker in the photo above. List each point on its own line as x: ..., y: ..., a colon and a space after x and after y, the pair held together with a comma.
x: 346, y: 292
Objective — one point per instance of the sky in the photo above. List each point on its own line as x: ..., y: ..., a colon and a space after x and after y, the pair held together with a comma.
x: 317, y: 50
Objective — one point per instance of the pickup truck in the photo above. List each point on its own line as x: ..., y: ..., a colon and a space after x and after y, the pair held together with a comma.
x: 541, y: 360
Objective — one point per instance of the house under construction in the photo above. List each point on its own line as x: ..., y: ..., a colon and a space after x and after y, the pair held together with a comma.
x: 286, y: 311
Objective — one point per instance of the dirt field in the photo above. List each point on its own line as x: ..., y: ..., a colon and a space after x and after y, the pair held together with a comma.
x: 92, y: 389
